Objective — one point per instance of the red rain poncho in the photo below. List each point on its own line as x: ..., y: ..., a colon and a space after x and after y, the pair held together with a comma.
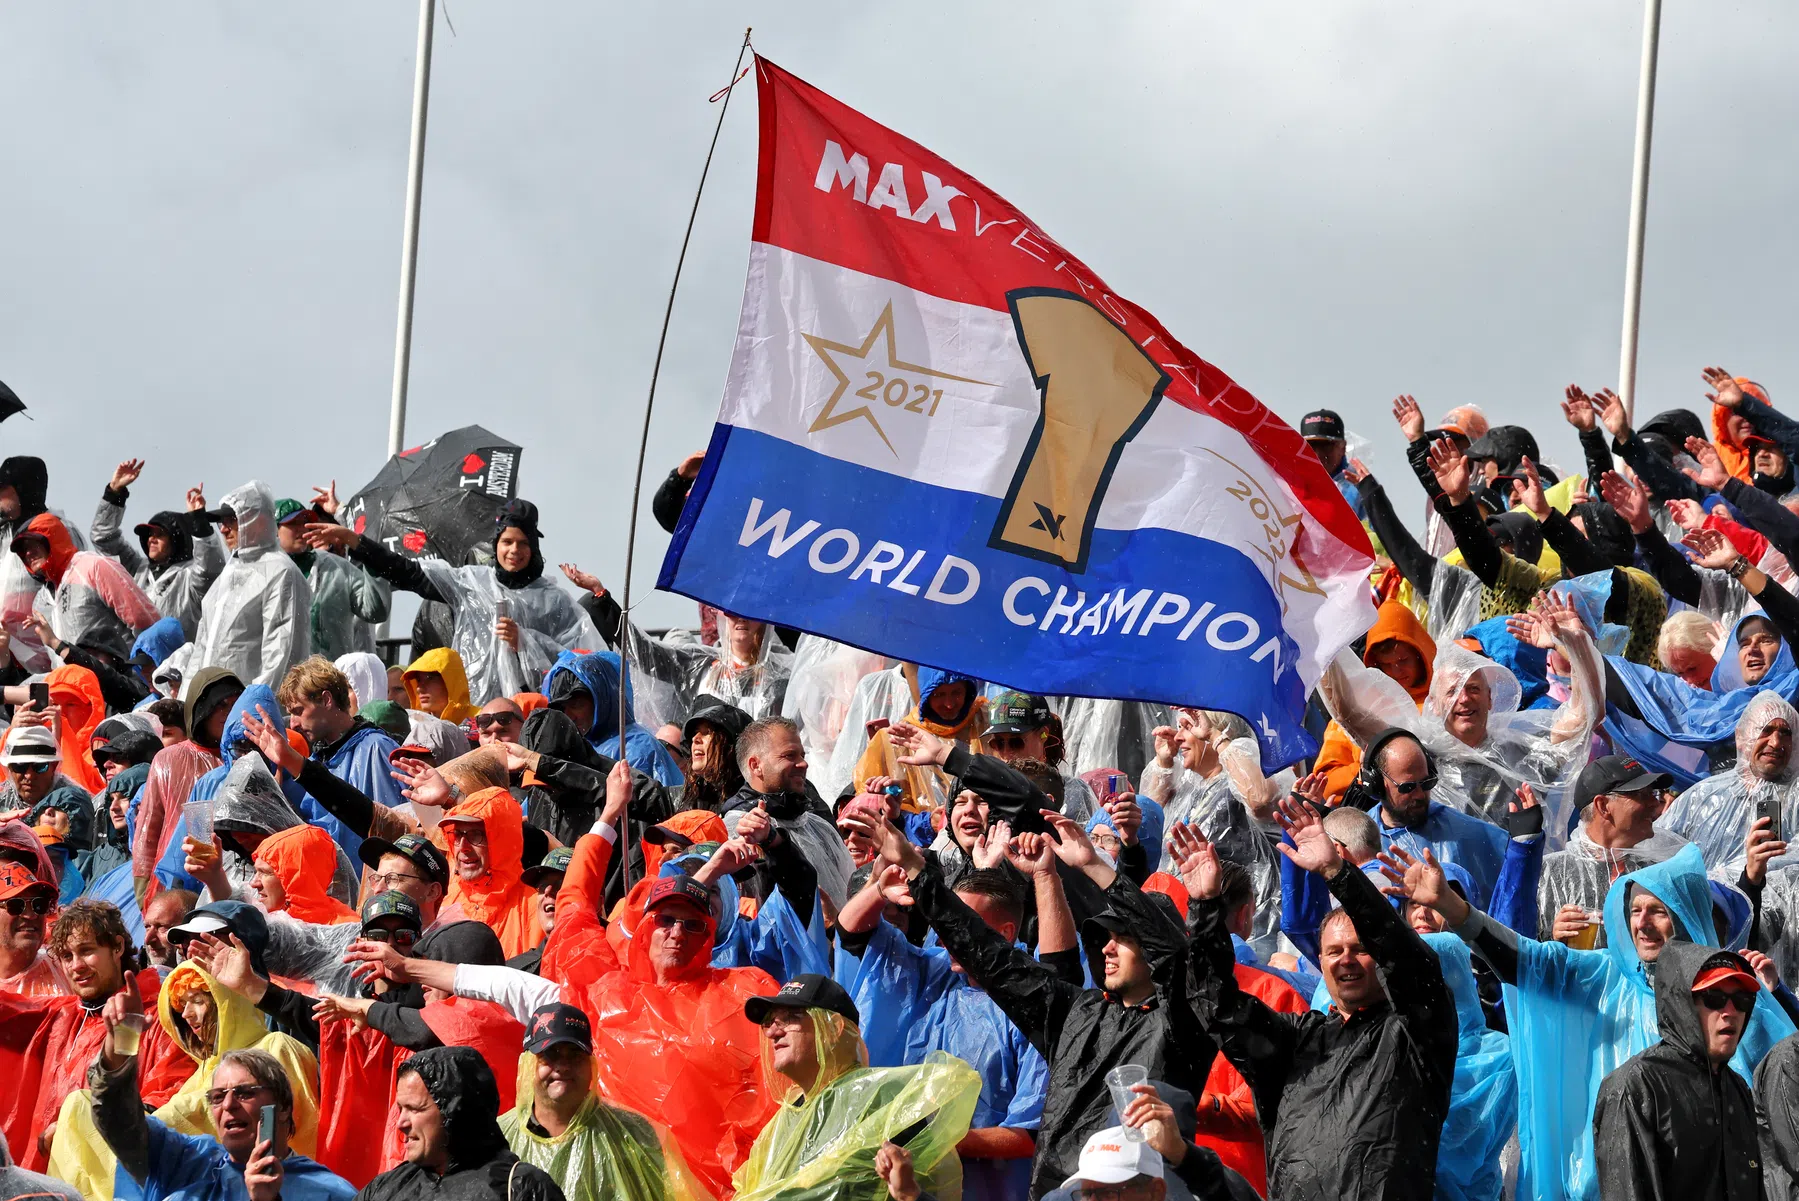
x: 172, y: 776
x: 359, y: 1068
x: 500, y: 899
x: 46, y: 1047
x: 681, y: 1051
x: 304, y: 859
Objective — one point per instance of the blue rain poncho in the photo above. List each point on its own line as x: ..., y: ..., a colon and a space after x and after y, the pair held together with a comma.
x: 912, y: 1003
x: 1681, y: 713
x: 597, y: 675
x: 361, y: 761
x: 1483, y: 1099
x: 1149, y: 834
x: 1575, y: 1016
x: 1478, y: 847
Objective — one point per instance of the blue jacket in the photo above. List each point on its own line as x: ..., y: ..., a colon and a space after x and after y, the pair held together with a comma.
x: 597, y: 674
x: 361, y: 762
x: 193, y: 1167
x: 912, y: 1002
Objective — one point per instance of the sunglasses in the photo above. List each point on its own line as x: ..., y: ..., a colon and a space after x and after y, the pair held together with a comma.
x: 1411, y: 786
x: 487, y: 721
x: 397, y: 938
x: 39, y: 905
x: 1717, y: 998
x: 242, y: 1092
x: 31, y: 769
x: 668, y: 921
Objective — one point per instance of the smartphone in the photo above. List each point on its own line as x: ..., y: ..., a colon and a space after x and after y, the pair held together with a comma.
x: 1770, y: 809
x: 872, y: 727
x: 40, y: 696
x: 266, y: 1133
x: 902, y: 1137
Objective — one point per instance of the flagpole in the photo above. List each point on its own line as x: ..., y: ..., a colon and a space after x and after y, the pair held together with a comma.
x: 1639, y: 204
x: 643, y: 443
x: 409, y: 242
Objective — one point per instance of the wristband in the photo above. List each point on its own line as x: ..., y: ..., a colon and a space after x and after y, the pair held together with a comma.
x: 1738, y: 567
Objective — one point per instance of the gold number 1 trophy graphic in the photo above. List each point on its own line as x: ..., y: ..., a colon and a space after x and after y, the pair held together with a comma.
x: 1098, y: 389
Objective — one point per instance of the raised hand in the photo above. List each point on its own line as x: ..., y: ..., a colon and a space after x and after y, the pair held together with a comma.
x: 1578, y: 409
x: 1766, y: 970
x: 732, y: 856
x: 1450, y: 466
x: 1167, y: 740
x: 618, y: 796
x: 1724, y: 387
x: 1074, y: 848
x: 1312, y: 848
x: 125, y: 474
x: 332, y: 1008
x: 272, y: 743
x: 1570, y: 921
x: 1527, y: 491
x: 1711, y: 473
x: 229, y: 962
x: 1422, y: 881
x: 690, y: 466
x: 1686, y: 513
x: 1031, y: 854
x: 325, y: 499
x: 1126, y: 817
x: 373, y: 960
x: 1196, y: 861
x: 1627, y: 499
x: 891, y: 881
x: 1155, y: 1117
x: 196, y: 498
x: 420, y: 783
x: 989, y: 849
x: 1356, y: 472
x: 327, y: 535
x: 1410, y: 419
x: 1712, y: 549
x: 919, y: 747
x: 885, y: 837
x: 585, y: 581
x: 1611, y: 413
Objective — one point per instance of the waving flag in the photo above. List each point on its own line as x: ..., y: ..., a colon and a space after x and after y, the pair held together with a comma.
x: 943, y: 438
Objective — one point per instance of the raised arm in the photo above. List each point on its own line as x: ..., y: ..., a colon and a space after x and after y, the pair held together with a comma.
x: 1416, y: 564
x: 403, y: 573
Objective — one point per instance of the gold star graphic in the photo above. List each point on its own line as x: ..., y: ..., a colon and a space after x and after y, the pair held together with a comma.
x: 883, y: 329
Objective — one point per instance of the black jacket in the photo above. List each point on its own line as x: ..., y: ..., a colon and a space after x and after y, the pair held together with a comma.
x: 482, y: 1167
x: 1082, y: 1032
x: 1668, y: 1126
x: 1777, y: 1113
x: 1351, y: 1108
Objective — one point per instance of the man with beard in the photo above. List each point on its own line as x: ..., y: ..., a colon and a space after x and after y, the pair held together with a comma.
x: 1716, y: 813
x: 773, y: 763
x: 162, y: 913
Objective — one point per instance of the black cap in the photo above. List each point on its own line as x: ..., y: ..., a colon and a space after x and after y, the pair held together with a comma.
x: 806, y: 991
x: 663, y: 836
x: 1615, y: 773
x: 1506, y: 445
x: 393, y: 903
x: 554, y: 864
x: 1321, y: 423
x: 558, y: 1023
x: 415, y: 848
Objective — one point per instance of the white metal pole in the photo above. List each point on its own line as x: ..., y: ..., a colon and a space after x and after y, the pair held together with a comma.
x: 1639, y: 205
x: 409, y: 245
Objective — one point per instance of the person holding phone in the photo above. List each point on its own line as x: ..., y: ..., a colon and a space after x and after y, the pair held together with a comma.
x: 251, y: 1104
x: 1717, y: 813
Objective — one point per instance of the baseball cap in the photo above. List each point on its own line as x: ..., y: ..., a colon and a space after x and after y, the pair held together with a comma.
x: 1111, y: 1158
x: 1464, y: 423
x: 805, y: 991
x: 393, y: 903
x: 412, y: 750
x: 557, y: 1023
x: 1506, y: 445
x: 16, y: 880
x: 31, y: 744
x: 1753, y: 441
x: 1726, y: 967
x: 1322, y: 424
x: 1615, y: 773
x: 287, y: 508
x: 667, y: 889
x: 1016, y: 713
x: 415, y: 848
x: 553, y: 864
x: 664, y: 836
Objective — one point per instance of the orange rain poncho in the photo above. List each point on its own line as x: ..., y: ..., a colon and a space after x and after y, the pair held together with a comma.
x: 1338, y: 757
x: 359, y: 1069
x: 448, y: 664
x: 681, y: 1049
x: 1731, y: 452
x: 304, y: 859
x: 498, y: 898
x: 923, y: 788
x: 76, y: 691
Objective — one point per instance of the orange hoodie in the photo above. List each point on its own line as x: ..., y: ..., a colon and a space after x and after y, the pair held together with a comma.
x: 1733, y: 454
x: 62, y: 547
x: 1338, y: 757
x: 498, y: 897
x: 304, y: 859
x: 76, y: 691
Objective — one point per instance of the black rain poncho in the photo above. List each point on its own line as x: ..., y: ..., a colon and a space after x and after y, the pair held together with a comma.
x: 1352, y: 1108
x: 1668, y: 1125
x: 1777, y: 1112
x: 482, y: 1167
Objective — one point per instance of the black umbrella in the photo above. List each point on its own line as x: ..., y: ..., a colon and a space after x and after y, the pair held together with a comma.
x: 440, y: 499
x: 9, y: 402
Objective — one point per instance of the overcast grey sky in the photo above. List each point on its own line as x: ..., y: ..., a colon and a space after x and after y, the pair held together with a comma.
x: 1333, y: 201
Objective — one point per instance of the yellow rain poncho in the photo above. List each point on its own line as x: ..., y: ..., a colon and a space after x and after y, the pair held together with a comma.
x: 821, y: 1147
x: 606, y: 1152
x: 80, y: 1156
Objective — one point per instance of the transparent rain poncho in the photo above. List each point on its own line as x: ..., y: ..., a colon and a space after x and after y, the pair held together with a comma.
x: 821, y: 689
x: 250, y: 802
x: 1543, y: 748
x: 549, y: 622
x: 1215, y: 807
x: 1777, y: 936
x: 882, y: 696
x: 1455, y: 594
x: 822, y: 1145
x: 605, y: 1153
x: 1582, y: 872
x: 667, y: 676
x: 1108, y: 733
x: 254, y: 620
x: 1716, y: 812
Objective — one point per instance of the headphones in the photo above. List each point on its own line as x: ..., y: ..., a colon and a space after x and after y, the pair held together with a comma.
x: 1370, y: 779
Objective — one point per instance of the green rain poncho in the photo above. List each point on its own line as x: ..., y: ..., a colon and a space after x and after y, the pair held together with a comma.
x: 822, y: 1147
x: 606, y: 1154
